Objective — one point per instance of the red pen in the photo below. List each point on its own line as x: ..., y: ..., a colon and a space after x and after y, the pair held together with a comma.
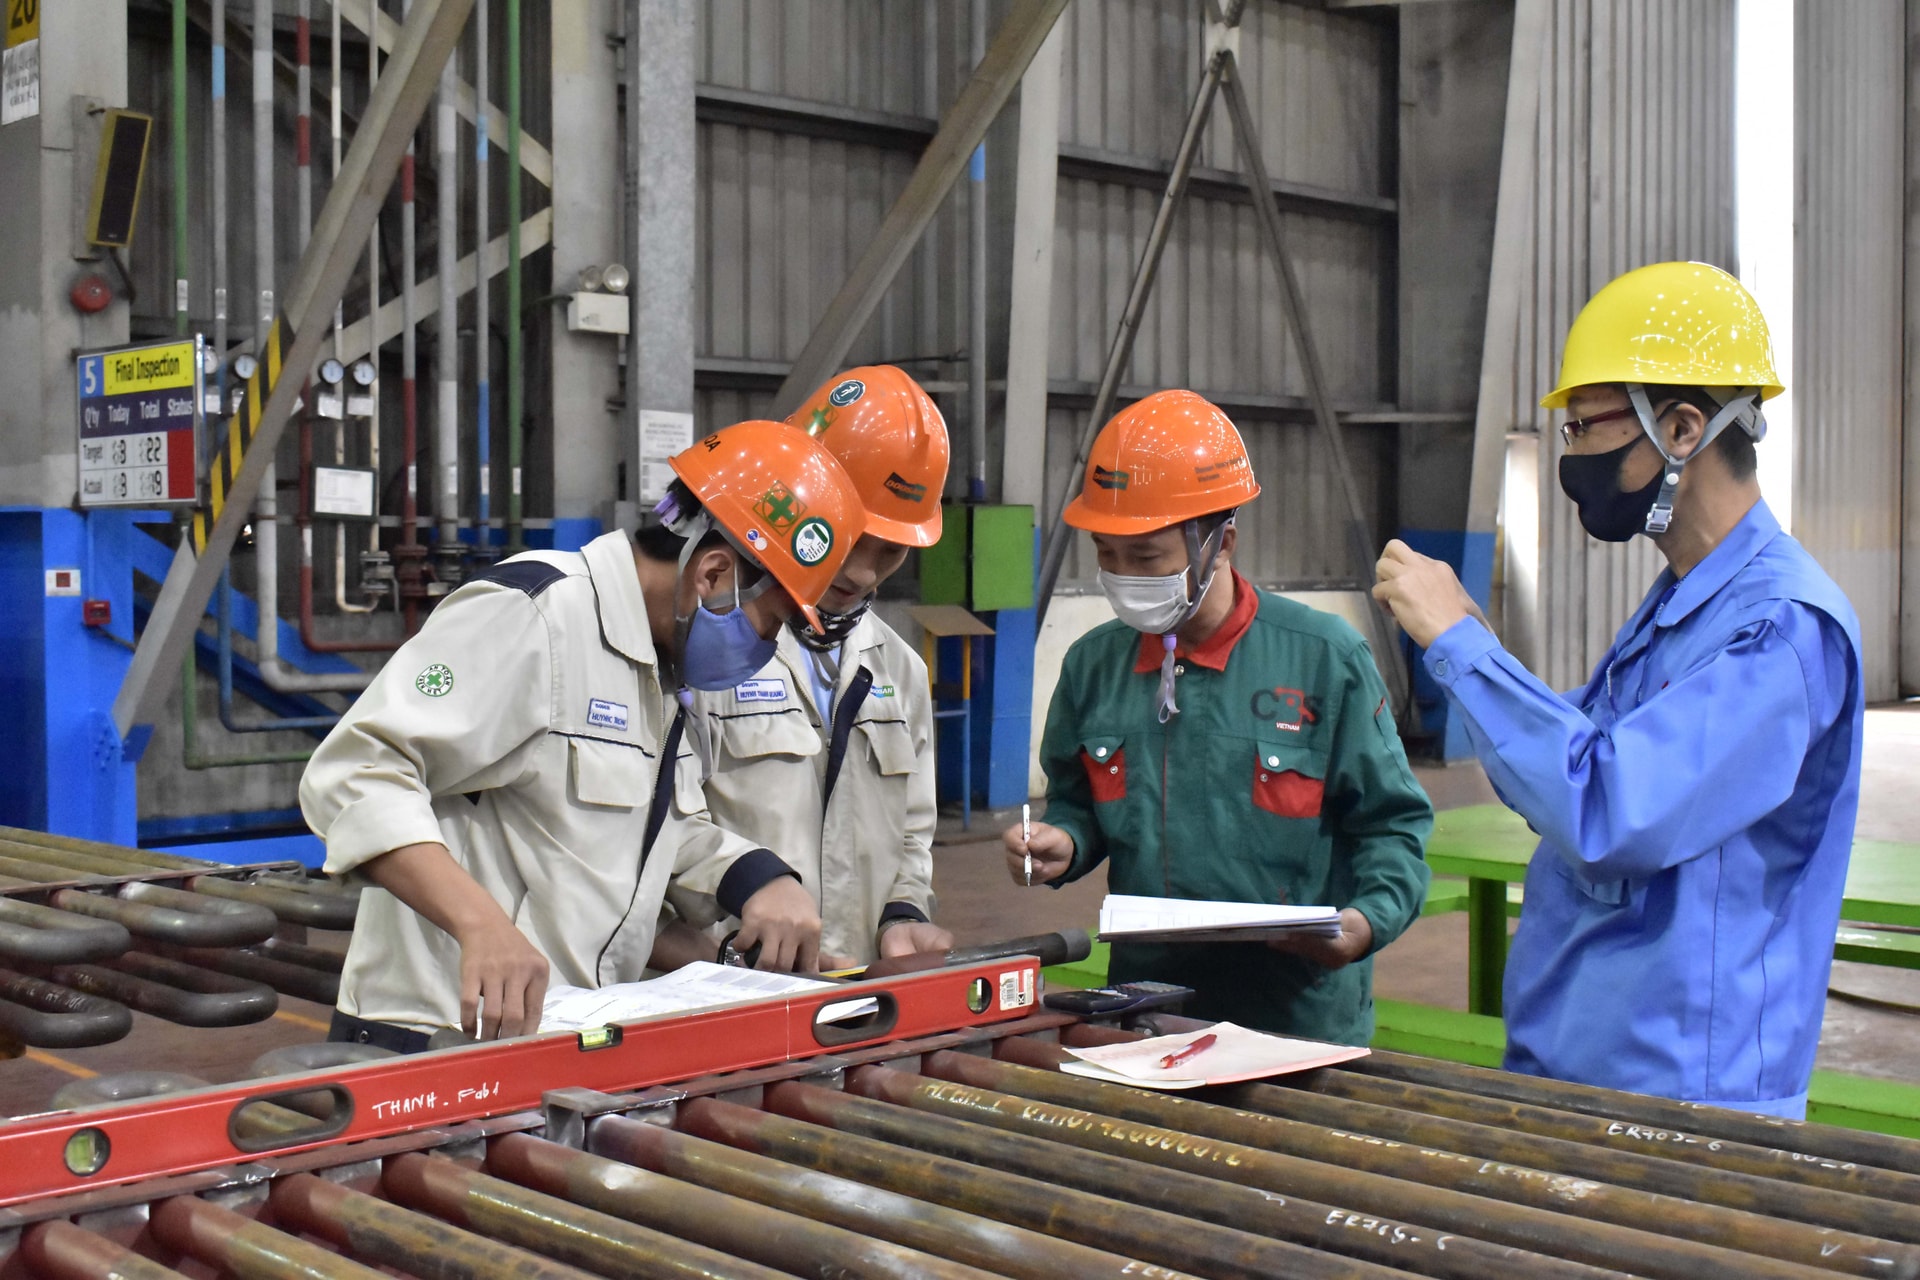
x: 1190, y: 1052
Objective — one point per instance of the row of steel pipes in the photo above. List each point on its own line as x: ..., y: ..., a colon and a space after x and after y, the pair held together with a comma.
x: 90, y: 933
x: 973, y: 1154
x: 408, y: 573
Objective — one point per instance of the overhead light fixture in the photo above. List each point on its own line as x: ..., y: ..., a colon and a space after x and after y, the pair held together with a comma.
x: 616, y: 278
x: 590, y: 279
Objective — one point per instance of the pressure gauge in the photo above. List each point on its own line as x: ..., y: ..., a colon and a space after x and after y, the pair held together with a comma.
x: 363, y: 372
x: 616, y: 278
x: 245, y: 366
x: 209, y: 360
x: 332, y: 371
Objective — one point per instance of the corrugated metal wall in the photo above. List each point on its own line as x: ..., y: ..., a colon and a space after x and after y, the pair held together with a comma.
x: 1633, y: 163
x: 1848, y: 310
x: 783, y: 217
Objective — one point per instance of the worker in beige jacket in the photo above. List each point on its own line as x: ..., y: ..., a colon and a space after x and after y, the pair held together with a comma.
x: 828, y: 749
x: 519, y: 780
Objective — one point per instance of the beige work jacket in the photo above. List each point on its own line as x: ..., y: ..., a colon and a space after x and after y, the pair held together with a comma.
x: 872, y: 846
x: 522, y: 728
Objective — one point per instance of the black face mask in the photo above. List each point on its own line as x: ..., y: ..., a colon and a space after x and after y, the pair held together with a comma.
x: 1592, y: 480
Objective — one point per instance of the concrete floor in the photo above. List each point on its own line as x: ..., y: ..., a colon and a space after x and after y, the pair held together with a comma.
x: 978, y: 902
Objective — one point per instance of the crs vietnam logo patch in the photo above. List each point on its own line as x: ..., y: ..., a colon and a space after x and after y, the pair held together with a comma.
x: 1107, y: 479
x: 846, y: 393
x: 812, y: 541
x: 780, y: 508
x: 436, y: 681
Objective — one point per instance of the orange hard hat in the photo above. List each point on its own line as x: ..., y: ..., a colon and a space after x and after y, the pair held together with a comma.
x: 890, y: 437
x: 780, y: 495
x: 1161, y: 461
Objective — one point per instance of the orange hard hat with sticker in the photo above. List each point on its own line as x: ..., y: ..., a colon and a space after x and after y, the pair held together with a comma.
x: 889, y: 435
x: 782, y: 497
x: 1161, y: 461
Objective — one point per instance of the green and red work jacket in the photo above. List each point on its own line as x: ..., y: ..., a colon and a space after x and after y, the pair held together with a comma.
x: 1282, y: 779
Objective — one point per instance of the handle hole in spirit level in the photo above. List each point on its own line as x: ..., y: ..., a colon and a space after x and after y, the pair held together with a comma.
x: 288, y: 1118
x: 846, y: 1021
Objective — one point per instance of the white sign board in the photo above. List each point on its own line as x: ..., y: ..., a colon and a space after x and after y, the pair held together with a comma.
x: 662, y: 434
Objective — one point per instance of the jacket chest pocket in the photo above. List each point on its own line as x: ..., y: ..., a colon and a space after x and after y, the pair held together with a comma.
x: 889, y: 744
x: 748, y: 738
x: 1288, y: 781
x: 605, y: 775
x: 1105, y: 760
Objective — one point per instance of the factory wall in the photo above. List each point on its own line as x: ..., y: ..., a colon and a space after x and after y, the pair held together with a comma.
x: 1632, y: 163
x: 1847, y: 376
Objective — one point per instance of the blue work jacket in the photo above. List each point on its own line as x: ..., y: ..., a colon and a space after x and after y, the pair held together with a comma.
x: 1695, y: 805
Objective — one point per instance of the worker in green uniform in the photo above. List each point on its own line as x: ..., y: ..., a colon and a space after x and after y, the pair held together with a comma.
x: 1221, y: 742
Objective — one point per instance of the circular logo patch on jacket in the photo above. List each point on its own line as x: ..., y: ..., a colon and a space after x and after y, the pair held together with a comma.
x: 436, y: 681
x: 812, y: 541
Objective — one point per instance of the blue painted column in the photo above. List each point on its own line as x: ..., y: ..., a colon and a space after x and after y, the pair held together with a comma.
x: 1471, y: 555
x: 69, y: 770
x: 1003, y: 709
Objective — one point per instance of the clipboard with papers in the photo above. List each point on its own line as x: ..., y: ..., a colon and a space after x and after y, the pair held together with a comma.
x: 1130, y: 918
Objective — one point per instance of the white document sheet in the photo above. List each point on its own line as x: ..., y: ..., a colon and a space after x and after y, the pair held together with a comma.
x: 701, y: 985
x: 1128, y: 918
x: 1236, y: 1054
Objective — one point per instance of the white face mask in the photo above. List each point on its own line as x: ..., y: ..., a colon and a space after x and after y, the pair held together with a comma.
x: 1153, y: 605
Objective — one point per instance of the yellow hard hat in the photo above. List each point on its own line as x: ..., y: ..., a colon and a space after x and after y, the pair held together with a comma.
x: 1683, y: 324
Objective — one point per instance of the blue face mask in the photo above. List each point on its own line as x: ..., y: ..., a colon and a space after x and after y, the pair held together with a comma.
x: 719, y: 650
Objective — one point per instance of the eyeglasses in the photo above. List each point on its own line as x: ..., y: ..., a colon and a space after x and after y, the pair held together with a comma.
x: 1573, y: 428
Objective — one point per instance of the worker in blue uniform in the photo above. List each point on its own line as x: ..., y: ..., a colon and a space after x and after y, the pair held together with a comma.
x: 1695, y: 801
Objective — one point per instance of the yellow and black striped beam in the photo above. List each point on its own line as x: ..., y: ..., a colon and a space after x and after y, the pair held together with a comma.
x: 241, y: 428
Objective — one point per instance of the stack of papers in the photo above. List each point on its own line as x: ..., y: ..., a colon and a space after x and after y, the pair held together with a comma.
x: 1237, y: 1054
x: 1126, y: 918
x: 701, y: 985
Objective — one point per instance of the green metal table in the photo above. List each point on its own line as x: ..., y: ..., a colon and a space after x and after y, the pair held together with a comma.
x: 1490, y: 845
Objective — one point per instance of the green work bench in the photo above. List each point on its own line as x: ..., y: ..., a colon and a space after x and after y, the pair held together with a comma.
x: 1489, y: 846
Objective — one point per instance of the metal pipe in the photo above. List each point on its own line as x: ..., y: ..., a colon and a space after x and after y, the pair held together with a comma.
x: 1533, y: 1209
x: 754, y: 1231
x: 48, y: 873
x: 182, y: 261
x: 335, y: 111
x: 240, y: 923
x: 373, y: 311
x: 286, y: 901
x: 884, y: 1214
x: 447, y: 345
x: 1060, y: 947
x: 1853, y: 1198
x: 190, y: 753
x: 29, y: 931
x: 146, y: 858
x: 239, y: 1246
x: 217, y: 179
x: 1827, y: 1142
x: 409, y: 554
x: 180, y: 993
x: 394, y: 1237
x: 1338, y: 1229
x: 482, y: 291
x: 192, y: 928
x: 1121, y: 350
x: 516, y: 353
x: 37, y: 1012
x: 257, y: 966
x: 977, y: 284
x: 554, y: 1227
x: 1146, y: 1234
x: 59, y: 1250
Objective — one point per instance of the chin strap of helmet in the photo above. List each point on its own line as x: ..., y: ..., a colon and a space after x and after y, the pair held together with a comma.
x: 1738, y: 404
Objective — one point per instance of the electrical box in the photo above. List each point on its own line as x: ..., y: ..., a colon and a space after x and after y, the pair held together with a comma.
x: 984, y: 559
x: 598, y: 313
x: 118, y: 178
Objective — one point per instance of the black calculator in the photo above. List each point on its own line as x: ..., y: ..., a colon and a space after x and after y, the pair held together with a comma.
x: 1127, y: 997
